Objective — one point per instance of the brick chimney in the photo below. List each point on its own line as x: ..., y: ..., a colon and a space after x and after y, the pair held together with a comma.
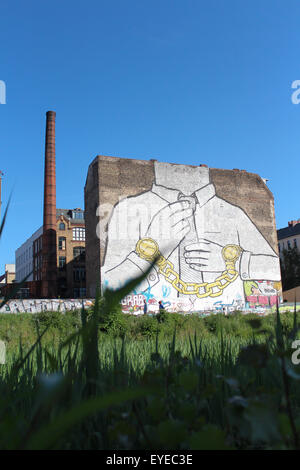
x: 49, y: 264
x: 292, y: 223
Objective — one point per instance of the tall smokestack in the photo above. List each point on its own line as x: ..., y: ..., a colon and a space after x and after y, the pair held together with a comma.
x: 49, y: 263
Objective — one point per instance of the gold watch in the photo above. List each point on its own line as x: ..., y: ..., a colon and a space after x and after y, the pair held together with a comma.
x: 231, y: 253
x: 147, y: 249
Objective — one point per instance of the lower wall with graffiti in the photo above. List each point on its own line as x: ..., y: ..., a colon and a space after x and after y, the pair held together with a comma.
x: 44, y: 305
x: 259, y: 297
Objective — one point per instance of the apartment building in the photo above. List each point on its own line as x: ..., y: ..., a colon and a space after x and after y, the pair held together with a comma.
x: 70, y: 256
x: 289, y: 237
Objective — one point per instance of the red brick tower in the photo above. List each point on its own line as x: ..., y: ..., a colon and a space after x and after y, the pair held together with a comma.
x: 49, y: 263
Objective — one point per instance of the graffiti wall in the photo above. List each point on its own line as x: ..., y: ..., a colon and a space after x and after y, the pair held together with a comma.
x: 206, y: 252
x: 44, y: 305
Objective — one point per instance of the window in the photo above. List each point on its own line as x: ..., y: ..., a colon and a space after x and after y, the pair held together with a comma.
x: 79, y: 251
x: 62, y: 286
x: 62, y: 226
x: 289, y: 244
x: 295, y: 243
x: 79, y: 274
x: 61, y: 243
x: 279, y: 247
x: 77, y: 215
x: 79, y: 234
x: 62, y: 262
x: 79, y: 292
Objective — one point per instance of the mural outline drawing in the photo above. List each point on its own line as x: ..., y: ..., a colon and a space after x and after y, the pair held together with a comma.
x: 207, y: 249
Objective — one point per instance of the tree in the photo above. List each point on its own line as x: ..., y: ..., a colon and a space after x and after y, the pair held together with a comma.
x: 290, y: 268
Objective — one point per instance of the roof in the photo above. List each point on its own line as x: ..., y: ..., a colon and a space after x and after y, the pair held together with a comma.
x: 287, y: 232
x: 67, y: 213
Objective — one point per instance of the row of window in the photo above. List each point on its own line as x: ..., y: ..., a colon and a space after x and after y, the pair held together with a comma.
x: 289, y: 245
x: 23, y: 272
x: 77, y: 215
x: 78, y: 253
x: 77, y: 250
x: 24, y: 257
x: 37, y: 245
x: 78, y: 271
x: 38, y: 262
x: 78, y: 232
x: 79, y: 292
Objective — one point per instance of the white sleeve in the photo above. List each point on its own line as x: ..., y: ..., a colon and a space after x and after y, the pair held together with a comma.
x: 258, y: 260
x: 121, y: 261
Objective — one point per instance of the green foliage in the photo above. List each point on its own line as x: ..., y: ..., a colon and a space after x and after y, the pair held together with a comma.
x: 202, y: 391
x: 64, y: 323
x: 99, y: 379
x: 290, y: 268
x: 113, y: 323
x: 148, y: 326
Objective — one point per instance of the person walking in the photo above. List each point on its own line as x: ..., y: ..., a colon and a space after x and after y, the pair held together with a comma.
x: 145, y: 307
x: 161, y: 312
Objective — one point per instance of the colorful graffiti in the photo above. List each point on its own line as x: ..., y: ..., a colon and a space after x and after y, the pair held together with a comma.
x: 44, y: 305
x: 203, y: 249
x: 262, y: 293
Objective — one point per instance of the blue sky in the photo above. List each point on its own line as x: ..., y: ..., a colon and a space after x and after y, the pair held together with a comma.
x: 203, y: 81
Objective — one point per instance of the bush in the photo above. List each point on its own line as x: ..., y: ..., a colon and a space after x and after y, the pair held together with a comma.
x: 211, y: 323
x: 113, y: 323
x: 148, y: 326
x: 64, y: 323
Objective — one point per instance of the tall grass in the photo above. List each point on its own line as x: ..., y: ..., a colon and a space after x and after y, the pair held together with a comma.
x: 95, y: 391
x: 219, y: 384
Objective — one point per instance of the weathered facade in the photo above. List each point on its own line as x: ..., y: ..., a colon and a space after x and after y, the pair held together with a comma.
x: 289, y: 237
x: 70, y: 257
x: 211, y: 231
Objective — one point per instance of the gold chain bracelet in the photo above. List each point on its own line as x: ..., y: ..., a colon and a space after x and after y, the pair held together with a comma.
x: 148, y: 249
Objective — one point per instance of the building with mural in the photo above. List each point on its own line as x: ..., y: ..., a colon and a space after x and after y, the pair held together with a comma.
x: 209, y: 232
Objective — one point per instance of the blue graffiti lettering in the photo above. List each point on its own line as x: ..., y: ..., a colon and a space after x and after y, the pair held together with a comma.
x: 166, y: 290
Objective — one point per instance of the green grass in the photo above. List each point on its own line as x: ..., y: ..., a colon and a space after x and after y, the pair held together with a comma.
x: 100, y: 380
x: 217, y: 383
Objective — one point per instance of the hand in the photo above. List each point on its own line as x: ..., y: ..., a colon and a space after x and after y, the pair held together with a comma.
x: 170, y: 225
x: 205, y: 256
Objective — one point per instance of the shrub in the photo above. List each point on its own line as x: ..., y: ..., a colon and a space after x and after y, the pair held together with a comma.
x: 148, y: 326
x: 63, y: 322
x: 113, y: 323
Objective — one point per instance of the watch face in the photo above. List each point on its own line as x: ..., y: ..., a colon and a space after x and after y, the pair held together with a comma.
x: 231, y: 252
x: 147, y: 248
